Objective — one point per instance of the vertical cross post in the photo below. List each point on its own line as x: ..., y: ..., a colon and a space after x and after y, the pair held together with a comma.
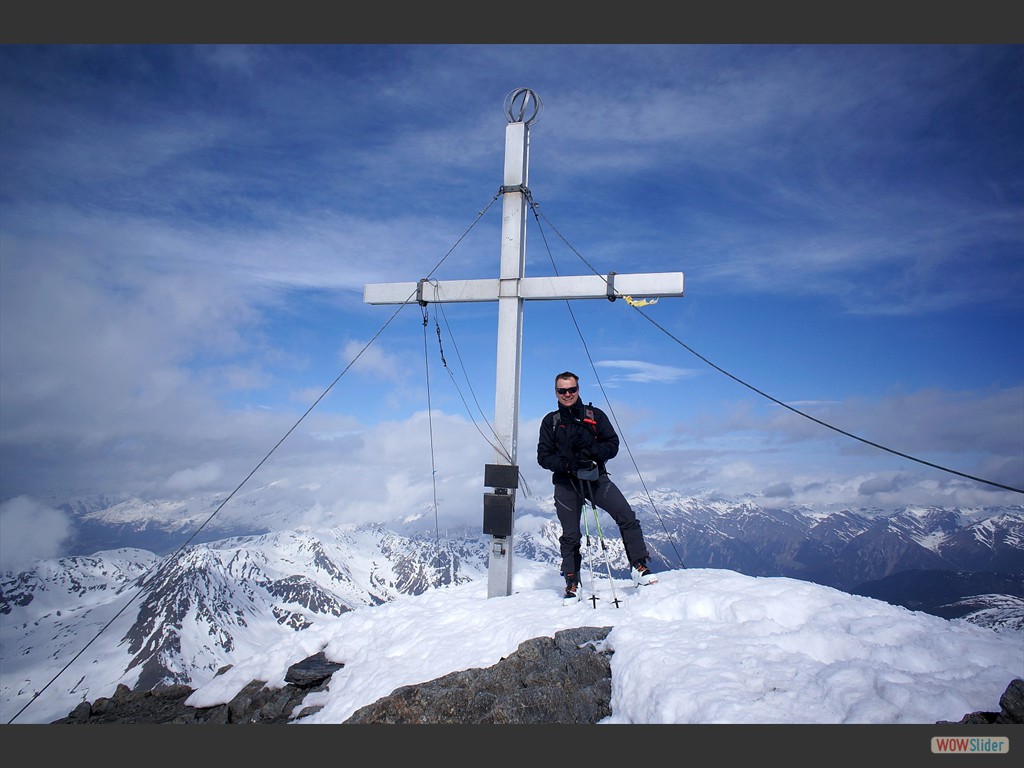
x: 510, y: 339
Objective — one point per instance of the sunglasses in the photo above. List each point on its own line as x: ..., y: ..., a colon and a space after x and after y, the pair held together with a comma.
x: 567, y: 390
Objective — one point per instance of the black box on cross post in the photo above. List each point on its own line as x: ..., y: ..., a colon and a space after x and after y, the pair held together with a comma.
x: 501, y: 475
x: 498, y: 514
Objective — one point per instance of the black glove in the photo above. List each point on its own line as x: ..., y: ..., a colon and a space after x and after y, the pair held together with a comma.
x: 582, y: 463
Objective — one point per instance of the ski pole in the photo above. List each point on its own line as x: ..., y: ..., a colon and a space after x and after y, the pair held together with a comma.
x: 590, y: 554
x: 604, y: 548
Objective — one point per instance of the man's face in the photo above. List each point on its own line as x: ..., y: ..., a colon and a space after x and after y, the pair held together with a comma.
x: 568, y: 391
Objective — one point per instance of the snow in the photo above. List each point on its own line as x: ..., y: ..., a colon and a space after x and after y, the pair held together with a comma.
x: 702, y: 646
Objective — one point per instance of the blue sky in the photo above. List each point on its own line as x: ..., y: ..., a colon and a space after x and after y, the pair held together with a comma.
x: 187, y: 230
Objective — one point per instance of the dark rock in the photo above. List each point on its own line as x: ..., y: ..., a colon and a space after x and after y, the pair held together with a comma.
x: 565, y: 679
x: 160, y: 705
x: 311, y: 671
x: 1011, y: 703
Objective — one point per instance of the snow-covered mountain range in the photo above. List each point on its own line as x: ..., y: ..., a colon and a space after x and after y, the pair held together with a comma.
x: 170, y: 613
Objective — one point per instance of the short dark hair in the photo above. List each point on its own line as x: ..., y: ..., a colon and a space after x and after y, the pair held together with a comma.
x: 567, y: 375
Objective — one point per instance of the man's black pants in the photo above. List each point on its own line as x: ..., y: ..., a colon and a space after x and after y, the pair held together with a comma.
x: 569, y: 501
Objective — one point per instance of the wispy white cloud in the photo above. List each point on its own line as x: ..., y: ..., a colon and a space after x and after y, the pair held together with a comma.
x: 30, y: 530
x: 645, y: 372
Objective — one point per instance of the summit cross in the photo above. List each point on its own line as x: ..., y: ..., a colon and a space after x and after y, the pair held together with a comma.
x: 511, y: 289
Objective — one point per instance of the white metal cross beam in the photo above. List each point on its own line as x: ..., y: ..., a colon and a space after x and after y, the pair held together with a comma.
x: 511, y: 289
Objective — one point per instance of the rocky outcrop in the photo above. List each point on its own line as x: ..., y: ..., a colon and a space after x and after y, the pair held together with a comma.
x: 565, y: 679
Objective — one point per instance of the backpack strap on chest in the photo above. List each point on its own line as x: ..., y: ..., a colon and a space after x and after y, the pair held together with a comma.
x: 588, y: 418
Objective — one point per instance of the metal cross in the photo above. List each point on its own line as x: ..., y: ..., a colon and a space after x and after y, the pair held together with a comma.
x: 511, y: 289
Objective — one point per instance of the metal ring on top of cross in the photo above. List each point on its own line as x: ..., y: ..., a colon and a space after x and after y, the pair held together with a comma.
x: 518, y: 102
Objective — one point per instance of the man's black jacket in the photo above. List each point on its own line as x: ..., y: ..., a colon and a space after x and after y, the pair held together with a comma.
x: 560, y: 447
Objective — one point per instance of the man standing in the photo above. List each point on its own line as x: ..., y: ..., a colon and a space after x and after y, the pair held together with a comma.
x: 578, y: 440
